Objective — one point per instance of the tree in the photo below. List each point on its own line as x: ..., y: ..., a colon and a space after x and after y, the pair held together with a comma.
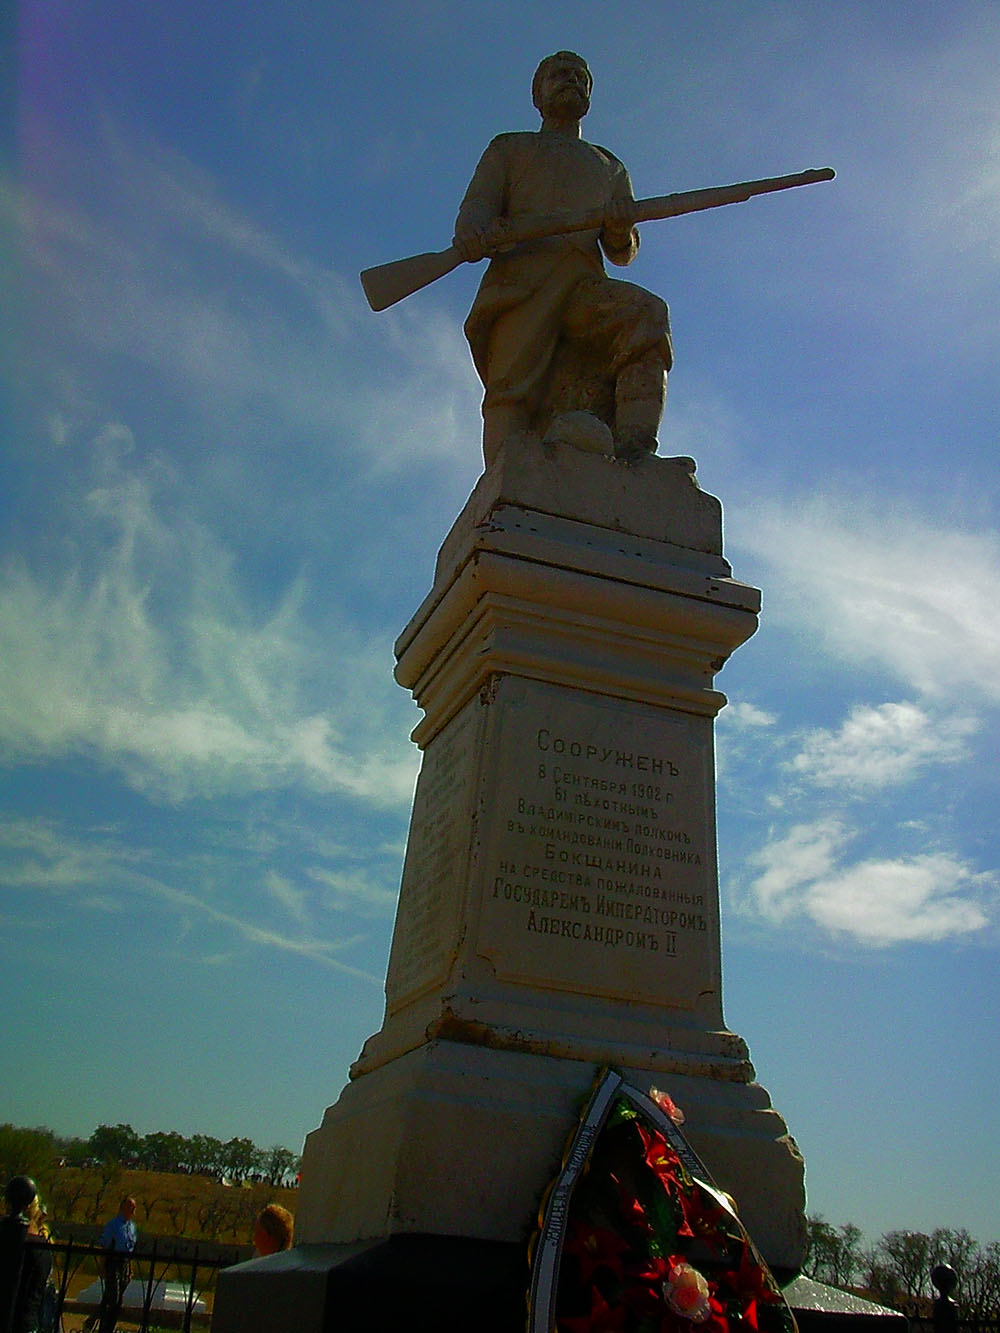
x: 875, y: 1276
x: 72, y: 1151
x: 897, y: 1270
x: 162, y: 1151
x: 26, y: 1152
x: 833, y: 1254
x: 979, y: 1290
x: 955, y: 1247
x: 106, y: 1182
x: 66, y: 1192
x: 215, y: 1213
x: 277, y: 1163
x: 239, y: 1158
x: 117, y: 1143
x: 204, y: 1155
x: 179, y: 1209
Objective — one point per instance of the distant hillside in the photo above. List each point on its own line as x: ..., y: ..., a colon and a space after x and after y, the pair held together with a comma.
x: 169, y: 1204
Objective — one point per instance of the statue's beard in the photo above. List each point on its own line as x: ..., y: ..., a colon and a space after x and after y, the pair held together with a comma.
x: 570, y: 101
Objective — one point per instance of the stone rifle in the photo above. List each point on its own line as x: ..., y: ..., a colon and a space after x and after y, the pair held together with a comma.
x: 388, y: 283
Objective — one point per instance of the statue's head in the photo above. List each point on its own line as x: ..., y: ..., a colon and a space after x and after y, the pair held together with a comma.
x: 562, y: 82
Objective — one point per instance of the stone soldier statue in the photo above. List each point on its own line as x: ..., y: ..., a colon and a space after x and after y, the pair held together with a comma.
x: 564, y: 351
x: 550, y: 332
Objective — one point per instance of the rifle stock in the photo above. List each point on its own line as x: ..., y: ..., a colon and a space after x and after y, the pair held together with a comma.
x: 386, y: 284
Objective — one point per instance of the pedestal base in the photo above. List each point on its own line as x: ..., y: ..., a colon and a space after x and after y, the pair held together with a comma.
x: 462, y: 1139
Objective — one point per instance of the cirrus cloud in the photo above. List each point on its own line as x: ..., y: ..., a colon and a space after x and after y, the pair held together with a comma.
x: 144, y: 650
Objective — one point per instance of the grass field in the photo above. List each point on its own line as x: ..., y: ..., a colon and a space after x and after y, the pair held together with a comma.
x: 168, y: 1205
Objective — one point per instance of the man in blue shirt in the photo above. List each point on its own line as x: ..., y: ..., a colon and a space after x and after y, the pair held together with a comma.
x: 118, y: 1238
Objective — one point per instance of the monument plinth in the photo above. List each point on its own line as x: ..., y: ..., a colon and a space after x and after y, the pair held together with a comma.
x: 559, y: 908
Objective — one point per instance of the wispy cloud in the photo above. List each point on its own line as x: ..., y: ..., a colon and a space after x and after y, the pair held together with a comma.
x: 354, y: 890
x: 880, y: 746
x: 897, y: 593
x: 35, y: 854
x: 140, y: 626
x: 874, y: 902
x: 143, y: 258
x: 147, y: 651
x: 960, y: 213
x: 96, y: 871
x: 289, y: 899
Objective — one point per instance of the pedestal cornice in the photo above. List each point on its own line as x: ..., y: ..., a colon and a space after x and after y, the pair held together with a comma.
x: 553, y: 597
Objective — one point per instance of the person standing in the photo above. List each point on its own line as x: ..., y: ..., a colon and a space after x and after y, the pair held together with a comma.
x: 118, y: 1238
x: 25, y: 1261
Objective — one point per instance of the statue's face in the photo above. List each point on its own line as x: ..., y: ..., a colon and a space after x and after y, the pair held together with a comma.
x: 565, y: 88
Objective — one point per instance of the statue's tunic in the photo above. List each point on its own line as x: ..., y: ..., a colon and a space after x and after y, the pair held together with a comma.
x: 556, y: 287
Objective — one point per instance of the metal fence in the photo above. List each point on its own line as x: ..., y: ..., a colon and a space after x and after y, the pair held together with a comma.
x: 170, y: 1283
x: 930, y: 1325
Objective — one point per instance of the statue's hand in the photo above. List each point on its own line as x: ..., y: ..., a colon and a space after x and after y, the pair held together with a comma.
x: 619, y: 219
x: 468, y: 241
x: 474, y: 242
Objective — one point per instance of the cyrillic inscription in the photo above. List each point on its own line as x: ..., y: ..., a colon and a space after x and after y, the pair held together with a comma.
x: 599, y: 870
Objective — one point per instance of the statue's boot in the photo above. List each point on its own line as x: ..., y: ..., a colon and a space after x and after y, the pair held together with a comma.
x: 640, y: 393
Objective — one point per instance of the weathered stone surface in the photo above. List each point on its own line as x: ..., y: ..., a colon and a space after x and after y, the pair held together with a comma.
x: 654, y: 498
x: 559, y: 905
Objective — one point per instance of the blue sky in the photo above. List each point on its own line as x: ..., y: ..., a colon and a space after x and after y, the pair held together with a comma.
x: 224, y: 482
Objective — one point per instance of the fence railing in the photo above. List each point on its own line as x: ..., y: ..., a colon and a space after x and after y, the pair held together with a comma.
x: 919, y: 1324
x: 169, y: 1283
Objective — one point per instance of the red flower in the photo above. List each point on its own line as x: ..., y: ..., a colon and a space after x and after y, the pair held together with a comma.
x: 644, y: 1295
x: 603, y: 1318
x: 751, y: 1283
x: 717, y: 1321
x: 706, y: 1217
x: 646, y: 1298
x: 595, y: 1247
x: 659, y: 1155
x: 666, y: 1166
x: 632, y: 1210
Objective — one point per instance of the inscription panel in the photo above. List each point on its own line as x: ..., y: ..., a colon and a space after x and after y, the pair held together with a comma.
x: 598, y: 871
x: 432, y: 893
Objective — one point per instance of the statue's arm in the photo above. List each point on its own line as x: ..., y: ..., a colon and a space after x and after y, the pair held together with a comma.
x: 481, y: 213
x: 619, y: 237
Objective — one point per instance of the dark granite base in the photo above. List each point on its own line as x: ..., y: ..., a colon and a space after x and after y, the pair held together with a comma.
x: 443, y: 1284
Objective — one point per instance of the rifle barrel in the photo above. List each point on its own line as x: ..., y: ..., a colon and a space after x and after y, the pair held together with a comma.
x: 693, y: 201
x: 388, y: 283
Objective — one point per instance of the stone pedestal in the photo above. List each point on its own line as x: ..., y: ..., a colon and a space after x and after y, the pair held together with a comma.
x: 559, y: 908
